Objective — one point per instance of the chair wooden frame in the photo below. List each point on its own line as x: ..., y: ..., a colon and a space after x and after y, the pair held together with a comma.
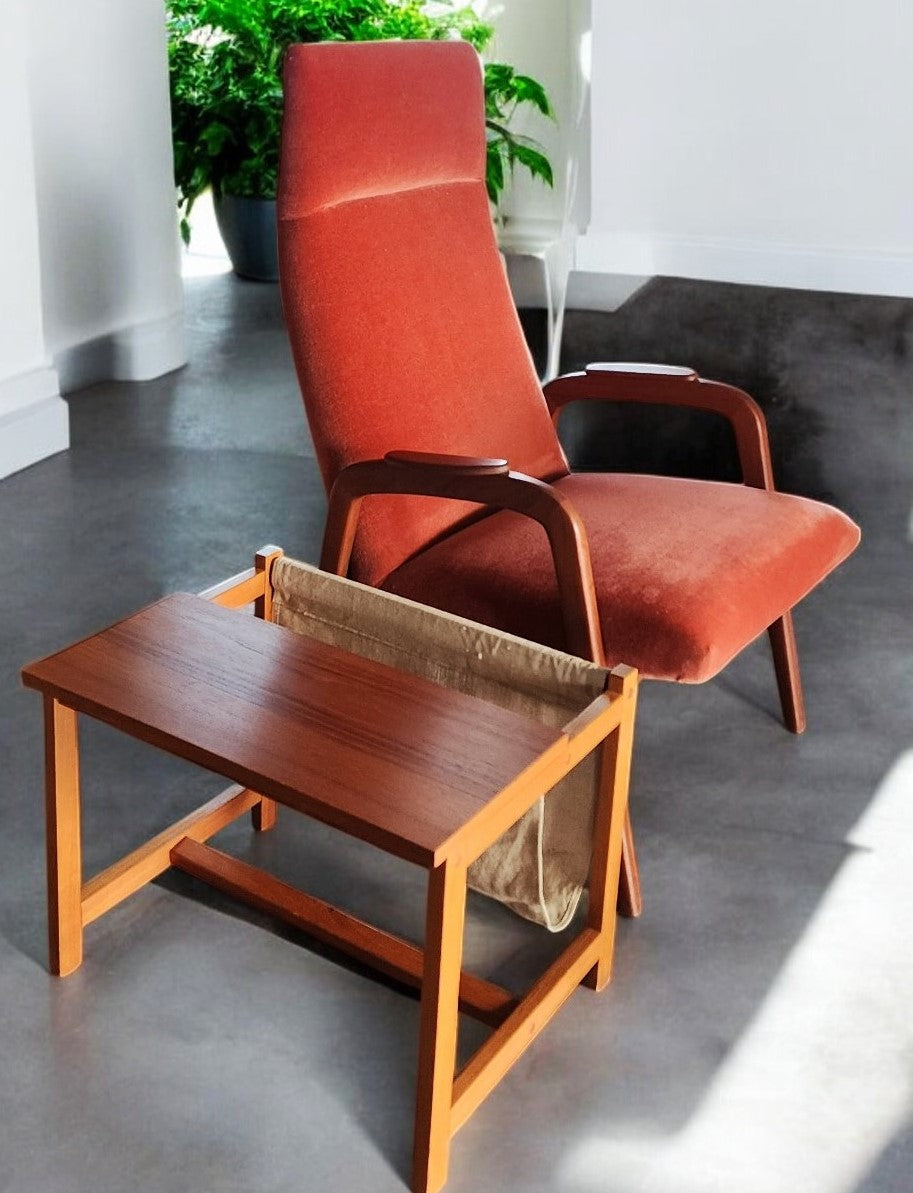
x: 491, y: 483
x: 672, y: 385
x: 444, y: 1099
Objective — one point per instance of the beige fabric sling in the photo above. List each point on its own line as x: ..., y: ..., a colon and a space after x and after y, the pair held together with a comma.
x: 539, y: 867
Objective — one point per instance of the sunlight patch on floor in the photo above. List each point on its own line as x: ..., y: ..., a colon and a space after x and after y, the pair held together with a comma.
x: 822, y: 1078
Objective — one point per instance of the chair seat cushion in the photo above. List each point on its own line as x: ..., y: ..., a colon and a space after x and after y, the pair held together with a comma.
x: 687, y: 572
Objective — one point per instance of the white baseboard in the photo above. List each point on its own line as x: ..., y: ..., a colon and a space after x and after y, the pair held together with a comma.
x: 138, y: 353
x: 25, y: 389
x: 748, y: 262
x: 34, y: 420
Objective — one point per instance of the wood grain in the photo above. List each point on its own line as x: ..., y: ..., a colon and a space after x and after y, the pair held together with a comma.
x: 388, y: 757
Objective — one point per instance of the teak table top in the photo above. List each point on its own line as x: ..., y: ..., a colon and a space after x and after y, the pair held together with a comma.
x: 383, y: 755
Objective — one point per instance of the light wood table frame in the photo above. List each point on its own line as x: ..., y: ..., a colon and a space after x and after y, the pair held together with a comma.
x: 216, y: 688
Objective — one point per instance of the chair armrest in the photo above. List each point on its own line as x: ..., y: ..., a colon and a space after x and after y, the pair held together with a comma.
x: 485, y: 482
x: 671, y: 385
x: 461, y: 465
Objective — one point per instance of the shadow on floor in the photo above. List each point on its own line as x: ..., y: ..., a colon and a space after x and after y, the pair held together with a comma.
x: 196, y: 1048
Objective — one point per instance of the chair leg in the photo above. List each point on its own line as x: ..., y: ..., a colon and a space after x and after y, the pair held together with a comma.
x: 630, y: 898
x: 439, y: 1025
x: 786, y: 664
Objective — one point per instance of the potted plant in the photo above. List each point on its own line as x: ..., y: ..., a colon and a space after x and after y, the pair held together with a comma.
x: 225, y: 61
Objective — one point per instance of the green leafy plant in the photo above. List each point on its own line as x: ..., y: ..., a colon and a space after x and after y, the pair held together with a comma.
x: 505, y: 91
x: 225, y: 63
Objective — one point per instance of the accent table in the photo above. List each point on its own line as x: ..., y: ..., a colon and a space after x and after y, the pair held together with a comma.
x: 419, y: 770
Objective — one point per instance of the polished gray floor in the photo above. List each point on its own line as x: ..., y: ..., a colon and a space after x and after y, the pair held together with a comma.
x: 757, y: 1037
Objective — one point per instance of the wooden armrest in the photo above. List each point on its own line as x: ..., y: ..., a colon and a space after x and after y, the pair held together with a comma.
x: 631, y: 368
x: 464, y: 465
x: 672, y: 385
x: 485, y: 482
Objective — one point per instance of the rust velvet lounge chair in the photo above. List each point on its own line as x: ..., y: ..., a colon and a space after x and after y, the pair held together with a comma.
x: 438, y: 446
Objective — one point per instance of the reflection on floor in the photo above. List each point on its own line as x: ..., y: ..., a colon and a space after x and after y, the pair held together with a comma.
x: 757, y: 1035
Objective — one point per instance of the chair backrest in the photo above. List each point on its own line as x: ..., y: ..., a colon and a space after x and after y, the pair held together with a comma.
x: 400, y: 318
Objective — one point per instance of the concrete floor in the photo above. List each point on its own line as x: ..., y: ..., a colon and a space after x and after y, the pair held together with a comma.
x: 757, y: 1037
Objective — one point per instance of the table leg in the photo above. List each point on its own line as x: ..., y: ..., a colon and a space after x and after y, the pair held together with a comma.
x: 64, y: 849
x: 263, y: 815
x: 608, y: 831
x: 439, y: 1026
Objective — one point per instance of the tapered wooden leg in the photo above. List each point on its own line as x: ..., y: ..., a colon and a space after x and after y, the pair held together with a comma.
x: 608, y: 833
x: 64, y: 850
x: 786, y: 664
x: 630, y: 899
x: 438, y: 1032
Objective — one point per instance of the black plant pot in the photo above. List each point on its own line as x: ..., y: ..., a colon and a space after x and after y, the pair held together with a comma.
x: 248, y: 227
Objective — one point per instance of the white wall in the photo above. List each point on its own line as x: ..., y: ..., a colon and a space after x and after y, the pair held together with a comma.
x: 548, y: 39
x: 765, y: 143
x: 33, y: 419
x: 110, y: 264
x: 552, y: 41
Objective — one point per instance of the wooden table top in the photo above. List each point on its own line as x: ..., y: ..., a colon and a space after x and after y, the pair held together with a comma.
x: 385, y: 756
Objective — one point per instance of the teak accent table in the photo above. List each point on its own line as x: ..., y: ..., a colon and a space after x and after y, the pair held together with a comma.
x: 419, y: 770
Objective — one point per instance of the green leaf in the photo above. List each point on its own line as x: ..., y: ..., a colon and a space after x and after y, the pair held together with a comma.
x: 494, y: 172
x: 528, y: 90
x: 535, y: 161
x: 225, y: 62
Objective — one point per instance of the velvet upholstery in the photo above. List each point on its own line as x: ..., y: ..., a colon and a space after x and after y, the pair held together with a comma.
x: 401, y: 321
x: 405, y: 338
x: 687, y: 572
